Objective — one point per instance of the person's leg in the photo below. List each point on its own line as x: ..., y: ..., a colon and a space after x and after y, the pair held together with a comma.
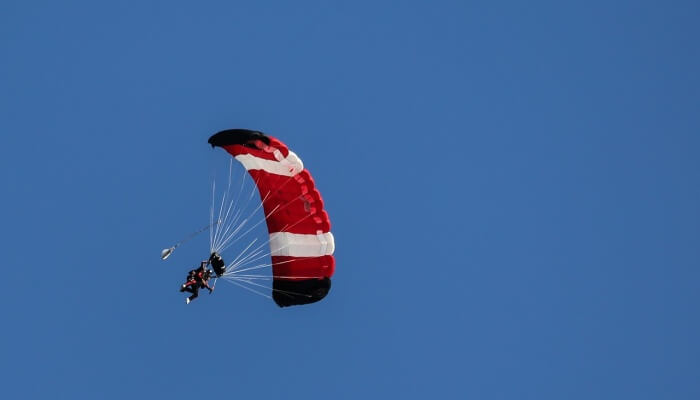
x: 195, y: 292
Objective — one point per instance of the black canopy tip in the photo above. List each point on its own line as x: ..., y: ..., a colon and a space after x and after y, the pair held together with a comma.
x: 236, y: 136
x: 293, y: 293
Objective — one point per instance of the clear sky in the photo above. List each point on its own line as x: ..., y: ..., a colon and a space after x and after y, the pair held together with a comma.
x: 513, y: 187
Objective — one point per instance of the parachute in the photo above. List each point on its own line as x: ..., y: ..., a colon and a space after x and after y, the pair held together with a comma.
x: 301, y: 244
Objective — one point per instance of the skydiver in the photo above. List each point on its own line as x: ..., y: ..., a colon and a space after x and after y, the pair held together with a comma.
x: 197, y: 278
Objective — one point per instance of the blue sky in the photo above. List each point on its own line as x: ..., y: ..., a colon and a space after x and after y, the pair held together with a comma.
x: 513, y: 188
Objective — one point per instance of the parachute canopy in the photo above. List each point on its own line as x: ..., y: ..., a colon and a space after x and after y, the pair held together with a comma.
x: 301, y: 244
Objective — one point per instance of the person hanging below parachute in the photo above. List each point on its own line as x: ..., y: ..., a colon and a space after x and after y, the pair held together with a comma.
x: 196, y: 279
x: 199, y: 278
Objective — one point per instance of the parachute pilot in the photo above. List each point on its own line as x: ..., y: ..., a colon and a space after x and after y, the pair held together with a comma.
x: 196, y: 279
